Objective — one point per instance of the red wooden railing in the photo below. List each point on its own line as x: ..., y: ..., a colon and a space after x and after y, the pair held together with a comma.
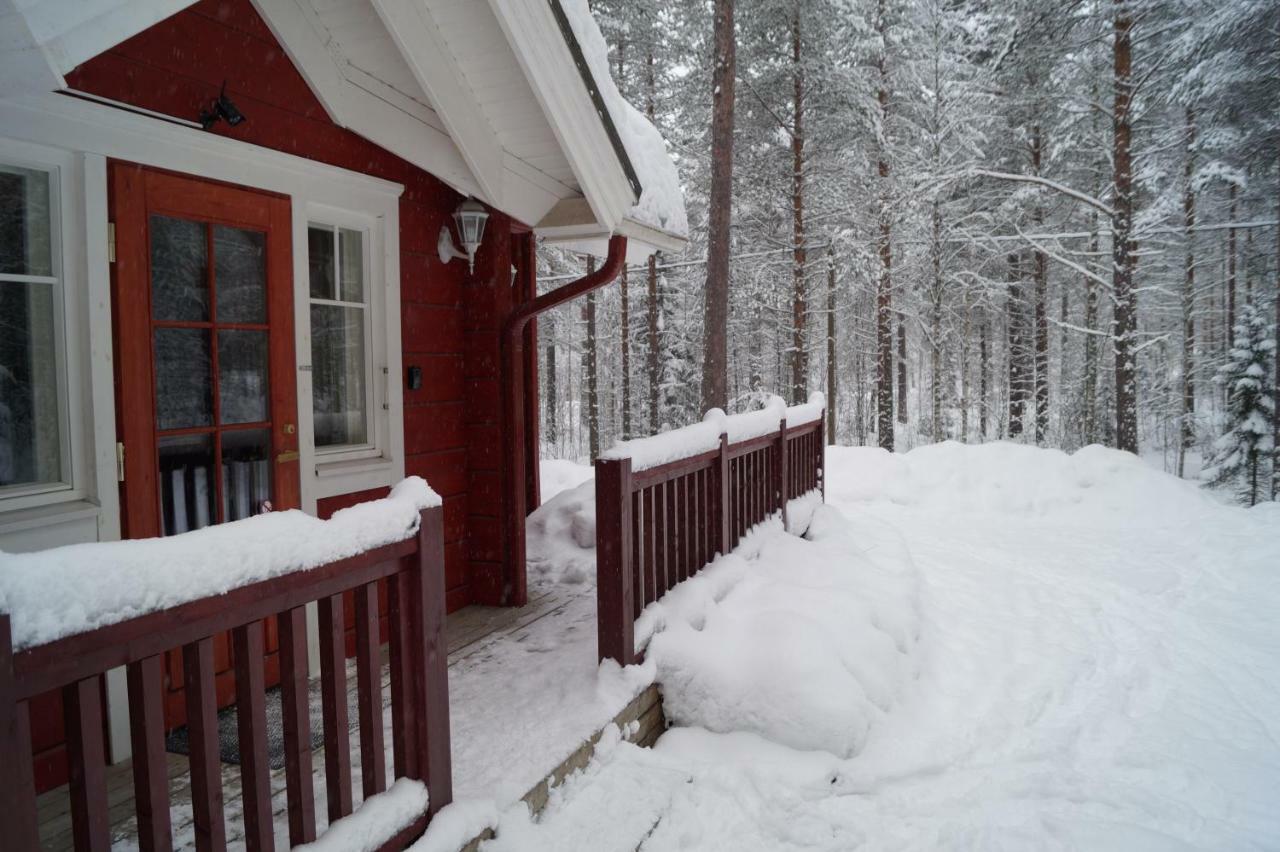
x: 412, y: 574
x: 658, y: 526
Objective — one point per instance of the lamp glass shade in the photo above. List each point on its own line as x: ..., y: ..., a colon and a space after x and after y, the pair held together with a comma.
x: 470, y: 217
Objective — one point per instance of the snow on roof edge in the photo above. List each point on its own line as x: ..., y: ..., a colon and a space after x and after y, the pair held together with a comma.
x: 661, y: 202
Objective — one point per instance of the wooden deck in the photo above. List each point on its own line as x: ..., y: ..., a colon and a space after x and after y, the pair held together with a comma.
x: 470, y: 631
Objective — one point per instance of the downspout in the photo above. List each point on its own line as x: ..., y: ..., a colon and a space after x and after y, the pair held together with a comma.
x: 516, y: 590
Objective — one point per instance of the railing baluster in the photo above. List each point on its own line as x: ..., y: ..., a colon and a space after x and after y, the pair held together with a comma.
x: 639, y: 535
x: 150, y: 768
x: 651, y: 565
x: 86, y: 756
x: 404, y: 752
x: 251, y: 726
x: 295, y: 704
x: 333, y: 701
x: 373, y: 760
x: 202, y: 729
x: 672, y: 490
x: 17, y: 780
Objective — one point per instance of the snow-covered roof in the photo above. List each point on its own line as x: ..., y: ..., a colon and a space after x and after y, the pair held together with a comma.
x: 509, y: 101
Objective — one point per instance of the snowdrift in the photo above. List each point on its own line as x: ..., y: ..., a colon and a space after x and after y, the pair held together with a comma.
x: 560, y: 537
x: 1093, y: 485
x: 809, y: 649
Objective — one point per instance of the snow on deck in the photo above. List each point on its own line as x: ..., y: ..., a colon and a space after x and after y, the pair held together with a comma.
x: 1050, y: 651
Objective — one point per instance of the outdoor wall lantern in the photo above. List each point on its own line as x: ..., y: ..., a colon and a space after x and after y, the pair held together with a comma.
x: 469, y: 218
x: 222, y: 109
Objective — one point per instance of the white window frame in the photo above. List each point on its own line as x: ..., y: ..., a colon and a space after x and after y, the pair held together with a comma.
x: 67, y: 259
x: 374, y: 373
x: 342, y: 469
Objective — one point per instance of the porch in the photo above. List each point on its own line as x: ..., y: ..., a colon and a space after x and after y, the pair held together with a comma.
x: 472, y: 633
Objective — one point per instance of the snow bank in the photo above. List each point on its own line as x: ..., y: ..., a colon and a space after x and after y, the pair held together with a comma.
x: 560, y: 537
x: 556, y: 475
x: 809, y: 648
x: 661, y: 203
x: 1094, y: 484
x: 378, y: 819
x: 67, y: 590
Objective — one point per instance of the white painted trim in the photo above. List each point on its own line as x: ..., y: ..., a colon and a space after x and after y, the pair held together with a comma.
x: 534, y: 35
x: 424, y: 48
x: 75, y: 124
x: 25, y: 64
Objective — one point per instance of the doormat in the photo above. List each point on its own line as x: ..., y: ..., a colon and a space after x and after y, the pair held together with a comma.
x: 178, y: 741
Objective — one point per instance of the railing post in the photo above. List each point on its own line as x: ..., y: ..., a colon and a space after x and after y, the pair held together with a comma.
x: 615, y: 624
x: 431, y: 661
x: 723, y: 496
x: 780, y: 471
x: 17, y: 779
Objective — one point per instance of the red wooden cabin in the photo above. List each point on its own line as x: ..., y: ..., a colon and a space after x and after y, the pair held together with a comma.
x: 231, y: 277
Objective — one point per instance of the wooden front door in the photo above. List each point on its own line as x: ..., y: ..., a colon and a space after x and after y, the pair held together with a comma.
x: 206, y: 391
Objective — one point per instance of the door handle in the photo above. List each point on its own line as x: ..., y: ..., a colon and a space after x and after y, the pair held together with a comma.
x: 291, y: 455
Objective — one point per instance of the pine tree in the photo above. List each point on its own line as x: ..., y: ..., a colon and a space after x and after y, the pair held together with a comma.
x: 1242, y: 451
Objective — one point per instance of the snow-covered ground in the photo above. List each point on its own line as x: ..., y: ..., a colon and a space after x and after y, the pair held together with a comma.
x: 991, y: 647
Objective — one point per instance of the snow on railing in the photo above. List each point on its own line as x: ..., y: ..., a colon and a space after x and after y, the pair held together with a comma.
x: 667, y: 504
x: 137, y: 603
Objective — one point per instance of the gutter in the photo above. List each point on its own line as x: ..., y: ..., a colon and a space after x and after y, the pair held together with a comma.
x: 516, y: 590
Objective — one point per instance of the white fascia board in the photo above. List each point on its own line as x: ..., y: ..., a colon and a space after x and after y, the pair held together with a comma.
x: 534, y: 35
x: 427, y: 53
x: 386, y: 124
x: 85, y: 30
x: 25, y: 65
x: 571, y: 223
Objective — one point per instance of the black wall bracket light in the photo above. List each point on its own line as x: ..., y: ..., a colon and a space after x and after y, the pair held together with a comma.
x: 222, y: 109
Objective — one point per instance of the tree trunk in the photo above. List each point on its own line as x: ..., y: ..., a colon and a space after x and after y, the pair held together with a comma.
x: 902, y: 369
x: 884, y: 286
x: 1232, y: 212
x: 831, y: 346
x: 590, y: 368
x: 1014, y: 310
x: 984, y: 367
x: 1125, y: 321
x: 1275, y: 426
x: 1188, y: 413
x: 552, y: 420
x: 799, y: 311
x: 654, y: 304
x: 625, y: 332
x: 935, y: 322
x: 1091, y: 367
x: 1041, y: 308
x: 716, y: 314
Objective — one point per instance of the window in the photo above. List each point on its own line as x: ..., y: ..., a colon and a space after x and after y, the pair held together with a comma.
x: 33, y: 451
x: 340, y: 362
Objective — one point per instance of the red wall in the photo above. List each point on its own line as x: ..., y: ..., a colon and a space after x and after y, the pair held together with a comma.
x: 450, y: 321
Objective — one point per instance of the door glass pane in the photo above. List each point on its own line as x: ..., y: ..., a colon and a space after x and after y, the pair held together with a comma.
x: 320, y: 262
x: 337, y: 374
x: 25, y: 222
x: 30, y: 441
x: 184, y: 388
x: 187, y: 487
x: 352, y: 251
x: 179, y: 270
x: 246, y: 472
x: 242, y: 376
x: 240, y: 274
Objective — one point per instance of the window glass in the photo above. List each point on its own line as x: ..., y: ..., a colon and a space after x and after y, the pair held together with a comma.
x: 26, y: 227
x: 339, y: 345
x: 30, y: 420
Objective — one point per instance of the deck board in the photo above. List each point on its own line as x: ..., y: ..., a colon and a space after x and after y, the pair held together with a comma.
x: 470, y: 630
